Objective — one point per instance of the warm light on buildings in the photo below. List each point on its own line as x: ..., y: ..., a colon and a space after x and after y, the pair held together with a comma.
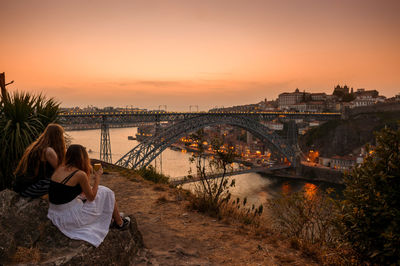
x: 313, y: 156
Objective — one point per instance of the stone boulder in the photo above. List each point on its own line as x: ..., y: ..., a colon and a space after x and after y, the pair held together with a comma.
x: 28, y: 236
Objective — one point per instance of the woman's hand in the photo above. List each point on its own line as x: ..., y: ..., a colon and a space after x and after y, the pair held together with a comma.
x: 98, y: 172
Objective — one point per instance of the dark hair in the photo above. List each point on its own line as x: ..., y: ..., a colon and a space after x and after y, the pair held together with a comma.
x: 52, y: 136
x: 78, y: 157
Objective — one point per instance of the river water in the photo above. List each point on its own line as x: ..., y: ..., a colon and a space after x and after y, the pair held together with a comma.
x: 257, y: 188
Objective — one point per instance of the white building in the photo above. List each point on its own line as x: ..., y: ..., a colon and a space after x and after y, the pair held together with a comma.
x: 287, y: 99
x: 366, y: 98
x: 274, y: 125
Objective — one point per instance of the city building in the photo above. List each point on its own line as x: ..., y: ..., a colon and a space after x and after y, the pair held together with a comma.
x: 286, y: 100
x: 314, y: 123
x: 366, y: 98
x: 268, y: 105
x: 313, y: 106
x: 393, y: 99
x: 341, y: 91
x: 343, y: 162
x: 318, y: 96
x: 274, y: 125
x: 324, y: 161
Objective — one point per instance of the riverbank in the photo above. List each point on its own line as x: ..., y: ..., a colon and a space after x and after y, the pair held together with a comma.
x: 306, y: 173
x: 181, y: 147
x: 175, y: 235
x: 309, y: 173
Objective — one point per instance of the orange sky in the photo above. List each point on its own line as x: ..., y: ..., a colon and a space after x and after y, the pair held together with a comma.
x: 206, y: 53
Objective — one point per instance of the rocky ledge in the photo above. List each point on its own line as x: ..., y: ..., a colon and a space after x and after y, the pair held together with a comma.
x: 28, y: 237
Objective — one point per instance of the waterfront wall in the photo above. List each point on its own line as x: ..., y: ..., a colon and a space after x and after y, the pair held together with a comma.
x: 322, y: 174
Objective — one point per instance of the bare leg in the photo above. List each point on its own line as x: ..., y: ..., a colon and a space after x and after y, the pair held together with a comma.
x: 116, y: 216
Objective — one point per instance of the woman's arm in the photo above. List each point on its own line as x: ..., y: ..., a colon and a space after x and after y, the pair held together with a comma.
x: 51, y: 157
x: 90, y: 192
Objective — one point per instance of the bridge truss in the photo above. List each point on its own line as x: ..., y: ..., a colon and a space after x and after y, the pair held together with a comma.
x: 144, y: 153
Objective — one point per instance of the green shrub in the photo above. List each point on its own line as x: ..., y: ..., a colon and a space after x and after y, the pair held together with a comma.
x: 150, y: 173
x: 371, y: 209
x: 23, y: 117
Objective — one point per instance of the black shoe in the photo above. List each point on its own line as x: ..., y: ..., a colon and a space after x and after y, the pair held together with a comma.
x: 126, y: 221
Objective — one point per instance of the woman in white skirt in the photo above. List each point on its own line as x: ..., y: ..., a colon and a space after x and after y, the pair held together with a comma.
x: 85, y: 219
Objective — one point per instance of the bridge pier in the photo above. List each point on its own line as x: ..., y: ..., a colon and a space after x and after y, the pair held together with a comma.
x: 105, y: 143
x: 292, y: 133
x: 158, y: 159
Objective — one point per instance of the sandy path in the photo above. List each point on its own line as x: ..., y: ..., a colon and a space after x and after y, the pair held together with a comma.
x: 174, y: 235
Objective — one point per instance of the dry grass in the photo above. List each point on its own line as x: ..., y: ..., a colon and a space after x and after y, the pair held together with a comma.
x: 254, y: 225
x: 182, y: 194
x: 242, y: 215
x: 159, y: 187
x: 162, y: 199
x: 26, y: 255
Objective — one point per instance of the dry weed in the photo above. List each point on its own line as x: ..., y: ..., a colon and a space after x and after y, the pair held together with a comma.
x: 26, y: 255
x: 162, y: 199
x: 159, y: 188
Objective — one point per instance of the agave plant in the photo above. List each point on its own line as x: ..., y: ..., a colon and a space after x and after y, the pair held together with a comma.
x: 47, y: 110
x: 23, y: 116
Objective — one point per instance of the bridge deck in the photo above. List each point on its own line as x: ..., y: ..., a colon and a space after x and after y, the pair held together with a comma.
x: 163, y: 116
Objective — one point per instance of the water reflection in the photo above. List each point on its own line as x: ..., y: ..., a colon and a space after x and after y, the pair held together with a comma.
x: 286, y: 188
x: 279, y: 186
x: 310, y: 190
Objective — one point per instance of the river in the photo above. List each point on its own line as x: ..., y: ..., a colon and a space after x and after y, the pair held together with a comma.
x: 257, y: 188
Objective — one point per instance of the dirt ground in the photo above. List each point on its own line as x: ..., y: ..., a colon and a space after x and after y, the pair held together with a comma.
x: 175, y: 235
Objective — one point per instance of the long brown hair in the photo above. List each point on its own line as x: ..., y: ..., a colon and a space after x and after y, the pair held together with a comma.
x: 52, y: 136
x: 78, y: 157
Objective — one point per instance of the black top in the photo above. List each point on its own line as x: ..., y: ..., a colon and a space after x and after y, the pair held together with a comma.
x: 60, y: 193
x: 30, y: 178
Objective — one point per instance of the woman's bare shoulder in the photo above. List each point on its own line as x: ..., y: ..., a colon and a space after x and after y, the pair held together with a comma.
x: 50, y: 153
x: 49, y: 150
x: 80, y: 175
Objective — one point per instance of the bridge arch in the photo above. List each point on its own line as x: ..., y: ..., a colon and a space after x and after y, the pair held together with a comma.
x: 145, y: 152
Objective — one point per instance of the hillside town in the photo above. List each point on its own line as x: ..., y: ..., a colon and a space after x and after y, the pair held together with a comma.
x: 302, y: 101
x: 253, y: 151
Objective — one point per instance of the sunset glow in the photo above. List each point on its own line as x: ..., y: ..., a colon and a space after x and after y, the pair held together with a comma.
x: 208, y: 53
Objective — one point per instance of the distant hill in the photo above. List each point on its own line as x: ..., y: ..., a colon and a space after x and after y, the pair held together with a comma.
x: 342, y: 137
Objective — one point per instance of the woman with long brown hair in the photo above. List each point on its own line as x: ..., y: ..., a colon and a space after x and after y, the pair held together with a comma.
x: 39, y: 162
x: 84, y: 217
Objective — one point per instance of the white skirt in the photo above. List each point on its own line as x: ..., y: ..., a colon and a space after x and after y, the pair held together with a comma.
x: 89, y: 221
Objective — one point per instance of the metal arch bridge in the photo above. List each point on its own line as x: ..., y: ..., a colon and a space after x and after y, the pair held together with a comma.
x: 246, y: 120
x: 144, y: 153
